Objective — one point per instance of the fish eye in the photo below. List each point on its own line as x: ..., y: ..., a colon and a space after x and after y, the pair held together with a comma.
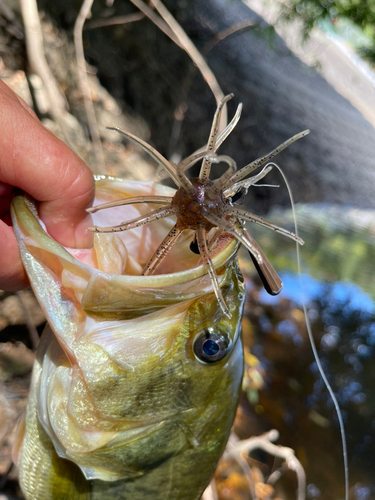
x: 210, y: 347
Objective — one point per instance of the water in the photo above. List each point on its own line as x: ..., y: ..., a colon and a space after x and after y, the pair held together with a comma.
x: 338, y: 270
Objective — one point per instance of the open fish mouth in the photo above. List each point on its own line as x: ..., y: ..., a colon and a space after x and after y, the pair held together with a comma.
x: 107, y: 277
x: 141, y: 242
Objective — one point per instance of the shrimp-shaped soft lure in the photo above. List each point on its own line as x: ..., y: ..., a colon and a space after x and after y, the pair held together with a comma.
x: 206, y: 206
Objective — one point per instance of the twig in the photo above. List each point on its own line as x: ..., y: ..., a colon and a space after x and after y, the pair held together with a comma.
x: 181, y: 108
x: 111, y: 21
x: 275, y: 476
x: 264, y: 442
x: 156, y: 20
x: 38, y: 62
x: 15, y: 28
x: 171, y: 28
x: 249, y: 476
x: 179, y: 117
x: 222, y: 35
x: 196, y: 57
x: 210, y: 492
x: 33, y: 332
x: 84, y: 82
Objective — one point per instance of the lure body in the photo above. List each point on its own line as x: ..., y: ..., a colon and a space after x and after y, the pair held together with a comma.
x: 120, y: 405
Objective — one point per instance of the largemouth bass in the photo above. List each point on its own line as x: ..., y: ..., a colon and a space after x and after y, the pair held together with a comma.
x: 137, y: 377
x: 121, y: 405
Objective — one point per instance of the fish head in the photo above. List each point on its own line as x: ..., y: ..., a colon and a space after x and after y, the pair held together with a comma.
x: 136, y: 375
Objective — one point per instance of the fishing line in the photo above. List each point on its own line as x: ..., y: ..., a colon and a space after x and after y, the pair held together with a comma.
x: 313, y: 345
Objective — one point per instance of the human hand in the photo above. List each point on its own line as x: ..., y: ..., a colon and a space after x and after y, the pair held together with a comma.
x: 37, y: 162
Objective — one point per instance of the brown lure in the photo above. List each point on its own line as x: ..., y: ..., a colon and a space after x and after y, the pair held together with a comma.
x: 206, y: 206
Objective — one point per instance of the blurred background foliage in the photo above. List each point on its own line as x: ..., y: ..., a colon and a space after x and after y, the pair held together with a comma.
x: 340, y: 14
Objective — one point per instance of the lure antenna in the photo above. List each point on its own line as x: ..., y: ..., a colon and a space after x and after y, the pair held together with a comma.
x: 159, y: 158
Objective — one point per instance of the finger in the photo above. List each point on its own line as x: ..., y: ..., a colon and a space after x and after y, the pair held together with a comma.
x: 36, y: 161
x: 12, y: 272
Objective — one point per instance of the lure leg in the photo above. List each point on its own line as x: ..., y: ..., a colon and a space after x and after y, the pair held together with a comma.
x: 243, y: 214
x: 264, y: 159
x: 206, y: 260
x: 211, y: 145
x: 162, y: 200
x: 162, y: 250
x: 161, y: 213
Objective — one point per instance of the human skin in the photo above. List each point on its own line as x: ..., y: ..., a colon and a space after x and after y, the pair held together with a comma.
x: 34, y: 160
